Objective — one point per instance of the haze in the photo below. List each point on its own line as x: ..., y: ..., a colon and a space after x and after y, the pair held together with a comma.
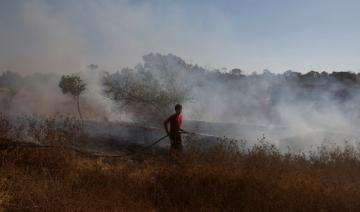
x: 66, y: 36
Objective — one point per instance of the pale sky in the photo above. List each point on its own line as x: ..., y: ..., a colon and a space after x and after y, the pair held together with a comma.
x: 66, y: 36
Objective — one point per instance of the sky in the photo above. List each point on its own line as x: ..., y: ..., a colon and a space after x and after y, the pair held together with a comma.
x: 278, y: 35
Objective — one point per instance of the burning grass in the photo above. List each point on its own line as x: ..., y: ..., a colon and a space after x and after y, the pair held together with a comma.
x: 226, y: 177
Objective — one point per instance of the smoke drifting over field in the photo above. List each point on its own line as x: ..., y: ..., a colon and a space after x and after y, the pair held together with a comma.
x: 64, y: 36
x: 292, y: 109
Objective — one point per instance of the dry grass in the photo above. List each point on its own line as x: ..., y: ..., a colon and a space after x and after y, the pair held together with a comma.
x: 223, y: 178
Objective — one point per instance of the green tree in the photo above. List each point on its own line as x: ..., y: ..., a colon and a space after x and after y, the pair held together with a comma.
x: 73, y: 85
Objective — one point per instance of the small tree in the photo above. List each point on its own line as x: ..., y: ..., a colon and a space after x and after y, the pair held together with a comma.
x: 73, y: 85
x: 132, y: 89
x: 236, y: 72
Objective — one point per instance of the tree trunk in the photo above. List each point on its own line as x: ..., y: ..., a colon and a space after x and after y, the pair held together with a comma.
x: 78, y: 107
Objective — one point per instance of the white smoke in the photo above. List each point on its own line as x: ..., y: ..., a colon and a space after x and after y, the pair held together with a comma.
x: 238, y: 106
x: 66, y: 36
x: 36, y: 37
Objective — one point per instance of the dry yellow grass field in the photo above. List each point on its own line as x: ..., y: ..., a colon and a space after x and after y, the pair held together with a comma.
x: 223, y: 178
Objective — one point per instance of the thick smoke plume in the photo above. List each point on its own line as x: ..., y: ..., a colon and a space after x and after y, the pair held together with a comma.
x: 299, y: 110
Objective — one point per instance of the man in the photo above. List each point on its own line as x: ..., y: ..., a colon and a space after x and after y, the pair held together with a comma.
x: 175, y: 131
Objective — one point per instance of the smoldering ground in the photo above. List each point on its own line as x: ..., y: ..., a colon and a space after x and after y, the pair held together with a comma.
x: 291, y: 110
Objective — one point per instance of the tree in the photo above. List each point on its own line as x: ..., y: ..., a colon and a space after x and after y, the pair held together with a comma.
x: 73, y: 85
x: 132, y: 89
x: 291, y: 75
x: 236, y: 72
x: 150, y: 90
x: 12, y: 92
x: 93, y: 67
x: 11, y: 79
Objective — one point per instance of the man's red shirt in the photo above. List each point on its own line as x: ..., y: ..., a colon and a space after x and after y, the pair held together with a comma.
x: 175, y: 123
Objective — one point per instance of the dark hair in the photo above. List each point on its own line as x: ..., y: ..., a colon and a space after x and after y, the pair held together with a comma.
x: 178, y: 106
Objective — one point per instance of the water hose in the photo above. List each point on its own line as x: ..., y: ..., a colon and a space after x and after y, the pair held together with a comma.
x: 134, y: 153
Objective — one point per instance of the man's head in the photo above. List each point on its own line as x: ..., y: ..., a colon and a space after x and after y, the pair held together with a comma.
x: 178, y: 108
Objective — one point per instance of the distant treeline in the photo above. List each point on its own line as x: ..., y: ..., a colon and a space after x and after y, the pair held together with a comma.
x: 10, y: 78
x: 160, y: 81
x: 13, y: 80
